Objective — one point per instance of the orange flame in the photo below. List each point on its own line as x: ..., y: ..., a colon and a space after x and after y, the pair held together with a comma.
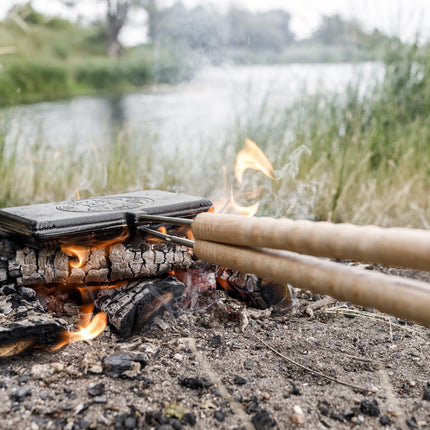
x: 89, y: 329
x: 243, y: 210
x: 252, y: 157
x: 80, y: 252
x: 89, y: 326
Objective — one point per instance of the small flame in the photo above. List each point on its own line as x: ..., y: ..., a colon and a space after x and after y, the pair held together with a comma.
x: 226, y: 205
x: 90, y: 330
x: 252, y: 157
x: 80, y: 252
x: 78, y: 194
x: 189, y: 234
x: 242, y: 210
x: 89, y: 326
x: 162, y: 229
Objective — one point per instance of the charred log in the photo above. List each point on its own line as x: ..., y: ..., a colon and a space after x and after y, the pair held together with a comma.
x: 25, y: 324
x: 130, y: 260
x: 130, y: 307
x: 254, y: 291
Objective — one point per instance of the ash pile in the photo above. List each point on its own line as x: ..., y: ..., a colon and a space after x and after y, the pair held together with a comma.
x: 86, y: 263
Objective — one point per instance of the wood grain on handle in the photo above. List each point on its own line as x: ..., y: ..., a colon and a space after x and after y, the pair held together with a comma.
x: 397, y: 296
x: 388, y: 246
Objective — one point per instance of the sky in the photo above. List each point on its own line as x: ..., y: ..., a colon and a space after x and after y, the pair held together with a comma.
x: 405, y: 18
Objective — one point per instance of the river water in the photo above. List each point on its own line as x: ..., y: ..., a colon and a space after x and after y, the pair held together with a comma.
x: 176, y: 117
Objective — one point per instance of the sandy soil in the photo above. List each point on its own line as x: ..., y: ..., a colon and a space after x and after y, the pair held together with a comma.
x: 215, y: 369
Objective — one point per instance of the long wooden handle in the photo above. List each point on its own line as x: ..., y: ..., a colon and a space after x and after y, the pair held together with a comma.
x: 404, y: 298
x: 387, y: 246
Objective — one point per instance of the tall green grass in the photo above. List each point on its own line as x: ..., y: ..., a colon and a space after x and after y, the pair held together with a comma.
x: 360, y: 156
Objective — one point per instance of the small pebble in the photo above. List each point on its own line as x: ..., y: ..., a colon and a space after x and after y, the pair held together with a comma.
x: 20, y: 394
x: 297, y: 417
x: 219, y: 416
x: 248, y: 365
x: 385, y: 421
x: 117, y: 363
x: 189, y: 418
x: 265, y: 396
x: 412, y: 423
x: 338, y: 417
x: 216, y: 341
x: 295, y: 391
x: 370, y: 408
x: 95, y: 390
x: 178, y: 357
x: 175, y: 424
x: 426, y: 393
x: 239, y: 380
x: 262, y: 420
x: 194, y: 383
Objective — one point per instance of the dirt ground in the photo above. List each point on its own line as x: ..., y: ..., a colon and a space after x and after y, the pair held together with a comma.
x: 215, y: 369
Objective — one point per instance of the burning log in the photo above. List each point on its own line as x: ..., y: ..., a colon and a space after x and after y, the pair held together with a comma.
x: 129, y: 260
x: 25, y: 324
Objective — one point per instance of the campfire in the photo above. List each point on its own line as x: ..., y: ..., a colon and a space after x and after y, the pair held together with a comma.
x: 120, y: 260
x: 94, y: 260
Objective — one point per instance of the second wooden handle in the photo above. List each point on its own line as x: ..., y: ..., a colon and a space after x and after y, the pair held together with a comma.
x: 404, y: 298
x: 387, y: 246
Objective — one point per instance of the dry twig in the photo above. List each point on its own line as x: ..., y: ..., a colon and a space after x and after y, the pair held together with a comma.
x: 314, y: 372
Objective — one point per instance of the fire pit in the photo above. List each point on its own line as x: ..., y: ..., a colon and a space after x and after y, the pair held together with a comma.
x: 93, y: 253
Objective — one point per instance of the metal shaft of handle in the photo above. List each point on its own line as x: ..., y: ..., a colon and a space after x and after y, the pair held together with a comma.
x: 167, y: 237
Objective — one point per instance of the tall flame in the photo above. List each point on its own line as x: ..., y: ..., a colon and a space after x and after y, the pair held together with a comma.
x: 252, y: 157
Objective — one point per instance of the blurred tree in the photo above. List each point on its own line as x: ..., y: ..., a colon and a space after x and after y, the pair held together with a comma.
x: 116, y: 16
x: 259, y: 31
x: 334, y: 30
x: 200, y: 28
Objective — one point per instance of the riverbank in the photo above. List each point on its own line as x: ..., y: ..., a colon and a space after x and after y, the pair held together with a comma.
x: 359, y: 155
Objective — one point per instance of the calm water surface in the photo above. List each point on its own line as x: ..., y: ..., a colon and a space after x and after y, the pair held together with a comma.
x: 178, y: 117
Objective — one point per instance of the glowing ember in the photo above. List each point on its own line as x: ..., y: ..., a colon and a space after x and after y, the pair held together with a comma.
x: 252, y: 157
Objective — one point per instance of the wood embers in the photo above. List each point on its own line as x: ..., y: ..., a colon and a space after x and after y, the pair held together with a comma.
x: 129, y: 281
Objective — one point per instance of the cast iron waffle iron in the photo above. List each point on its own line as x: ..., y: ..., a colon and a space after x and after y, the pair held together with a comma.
x: 88, y: 221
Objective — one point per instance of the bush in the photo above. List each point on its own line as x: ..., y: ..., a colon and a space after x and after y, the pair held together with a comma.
x: 113, y: 74
x: 7, y: 89
x: 26, y: 79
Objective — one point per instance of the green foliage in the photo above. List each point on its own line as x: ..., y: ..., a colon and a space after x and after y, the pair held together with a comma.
x: 110, y: 74
x: 32, y: 78
x: 361, y: 156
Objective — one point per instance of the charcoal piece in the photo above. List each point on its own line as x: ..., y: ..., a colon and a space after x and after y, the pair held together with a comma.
x: 132, y: 259
x: 253, y: 290
x: 24, y: 324
x: 130, y: 307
